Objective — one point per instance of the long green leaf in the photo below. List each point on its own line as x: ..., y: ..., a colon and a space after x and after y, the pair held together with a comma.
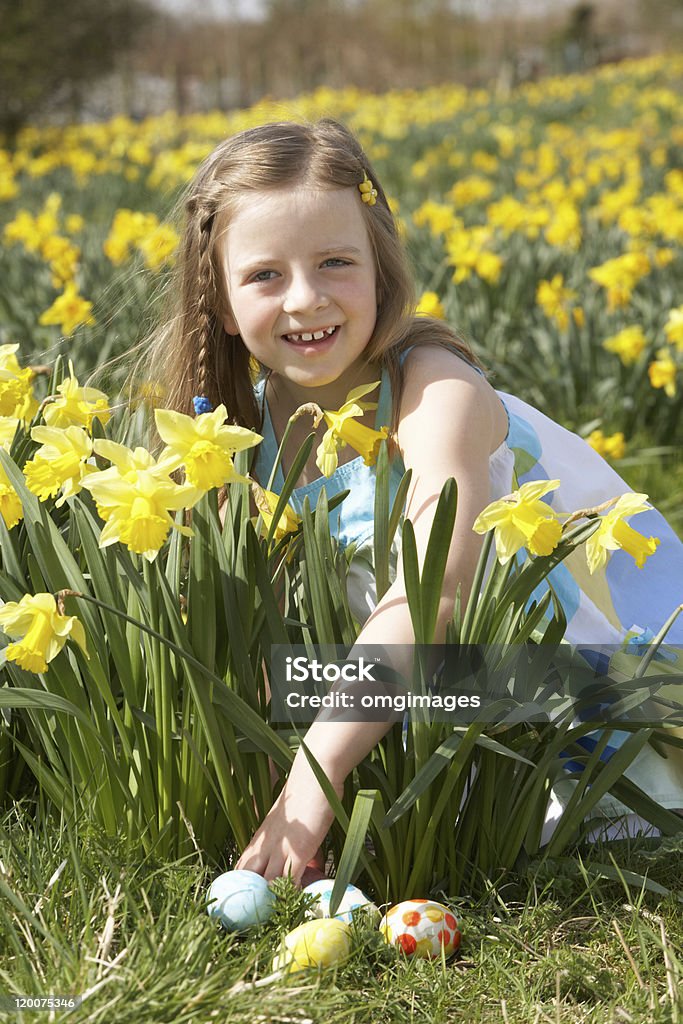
x: 354, y: 844
x: 436, y: 557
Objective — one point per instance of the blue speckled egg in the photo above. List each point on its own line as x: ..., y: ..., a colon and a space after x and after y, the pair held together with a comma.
x: 241, y: 899
x: 352, y: 900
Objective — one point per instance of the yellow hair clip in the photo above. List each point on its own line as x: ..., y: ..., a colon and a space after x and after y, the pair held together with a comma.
x: 368, y: 192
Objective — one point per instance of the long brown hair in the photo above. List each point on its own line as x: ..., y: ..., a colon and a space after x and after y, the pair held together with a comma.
x: 191, y: 353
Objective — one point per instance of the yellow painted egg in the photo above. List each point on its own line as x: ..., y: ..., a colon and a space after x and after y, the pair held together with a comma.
x: 421, y: 928
x: 318, y: 943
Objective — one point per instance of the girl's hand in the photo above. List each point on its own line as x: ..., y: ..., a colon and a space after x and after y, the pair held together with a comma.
x: 291, y: 834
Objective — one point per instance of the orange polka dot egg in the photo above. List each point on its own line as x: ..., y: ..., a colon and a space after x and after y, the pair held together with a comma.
x: 421, y: 928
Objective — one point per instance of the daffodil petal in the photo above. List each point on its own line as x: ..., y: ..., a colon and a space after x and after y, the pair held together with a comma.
x: 358, y: 392
x: 509, y: 540
x: 630, y: 504
x: 535, y: 489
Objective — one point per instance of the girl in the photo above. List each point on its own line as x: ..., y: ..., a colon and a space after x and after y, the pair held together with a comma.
x: 291, y: 257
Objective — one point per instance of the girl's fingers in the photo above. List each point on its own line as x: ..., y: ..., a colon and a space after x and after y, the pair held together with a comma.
x: 252, y: 860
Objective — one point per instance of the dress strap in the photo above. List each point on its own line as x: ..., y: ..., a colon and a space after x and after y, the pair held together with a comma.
x: 266, y: 452
x: 383, y: 413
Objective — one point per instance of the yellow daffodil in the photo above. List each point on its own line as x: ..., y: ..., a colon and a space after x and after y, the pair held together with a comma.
x: 8, y: 359
x: 149, y: 394
x: 612, y: 446
x: 32, y: 231
x: 430, y: 305
x: 663, y: 257
x: 159, y: 246
x: 16, y: 388
x: 614, y: 533
x: 438, y: 217
x: 620, y: 275
x: 62, y: 256
x: 11, y: 508
x: 69, y: 310
x: 60, y: 462
x: 662, y: 372
x: 134, y: 229
x: 266, y: 503
x: 134, y: 497
x: 41, y: 630
x: 673, y: 328
x: 468, y: 252
x: 522, y: 520
x: 470, y: 190
x: 76, y: 406
x: 627, y: 344
x: 74, y: 223
x: 564, y: 228
x: 554, y: 299
x: 8, y: 428
x: 254, y: 369
x: 204, y: 445
x: 344, y: 430
x: 488, y: 266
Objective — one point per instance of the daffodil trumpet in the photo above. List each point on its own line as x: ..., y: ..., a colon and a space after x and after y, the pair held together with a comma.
x: 204, y: 445
x: 278, y: 518
x: 40, y: 630
x: 135, y: 496
x: 522, y: 520
x: 75, y: 405
x: 344, y: 430
x: 613, y: 533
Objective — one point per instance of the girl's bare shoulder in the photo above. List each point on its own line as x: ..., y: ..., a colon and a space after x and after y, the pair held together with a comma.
x: 425, y: 363
x: 442, y: 388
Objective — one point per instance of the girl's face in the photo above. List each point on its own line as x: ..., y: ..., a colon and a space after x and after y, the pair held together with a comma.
x: 301, y: 282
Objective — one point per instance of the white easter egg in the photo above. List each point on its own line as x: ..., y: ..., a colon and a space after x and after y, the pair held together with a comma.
x: 421, y: 928
x: 353, y: 899
x: 319, y: 943
x: 240, y: 899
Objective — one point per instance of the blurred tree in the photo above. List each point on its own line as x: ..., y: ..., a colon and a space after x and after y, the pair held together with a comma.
x: 304, y: 26
x: 49, y: 51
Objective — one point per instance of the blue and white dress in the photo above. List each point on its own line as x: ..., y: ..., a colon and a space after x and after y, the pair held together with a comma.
x: 617, y: 605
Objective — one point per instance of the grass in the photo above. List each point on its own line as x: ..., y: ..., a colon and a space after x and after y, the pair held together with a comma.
x: 79, y: 914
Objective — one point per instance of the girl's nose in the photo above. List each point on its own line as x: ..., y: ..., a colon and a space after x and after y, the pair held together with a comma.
x: 303, y: 294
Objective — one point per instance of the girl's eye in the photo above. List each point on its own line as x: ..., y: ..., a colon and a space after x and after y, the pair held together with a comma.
x: 337, y: 261
x: 263, y: 275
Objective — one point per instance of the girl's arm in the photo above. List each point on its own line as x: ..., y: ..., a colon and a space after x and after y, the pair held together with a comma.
x: 445, y: 430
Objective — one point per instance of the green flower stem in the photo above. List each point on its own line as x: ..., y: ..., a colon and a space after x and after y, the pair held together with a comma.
x: 468, y: 617
x: 280, y: 452
x: 163, y: 703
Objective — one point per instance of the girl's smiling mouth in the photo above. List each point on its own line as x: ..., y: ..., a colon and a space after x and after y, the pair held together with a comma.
x: 312, y: 338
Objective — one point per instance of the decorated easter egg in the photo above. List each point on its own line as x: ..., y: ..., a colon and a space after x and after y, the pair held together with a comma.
x: 319, y: 943
x: 353, y: 899
x: 241, y: 899
x: 421, y: 928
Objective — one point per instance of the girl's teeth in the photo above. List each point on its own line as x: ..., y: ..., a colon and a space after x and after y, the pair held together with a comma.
x: 315, y: 336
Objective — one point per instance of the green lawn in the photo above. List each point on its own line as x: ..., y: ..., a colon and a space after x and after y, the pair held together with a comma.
x: 81, y: 915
